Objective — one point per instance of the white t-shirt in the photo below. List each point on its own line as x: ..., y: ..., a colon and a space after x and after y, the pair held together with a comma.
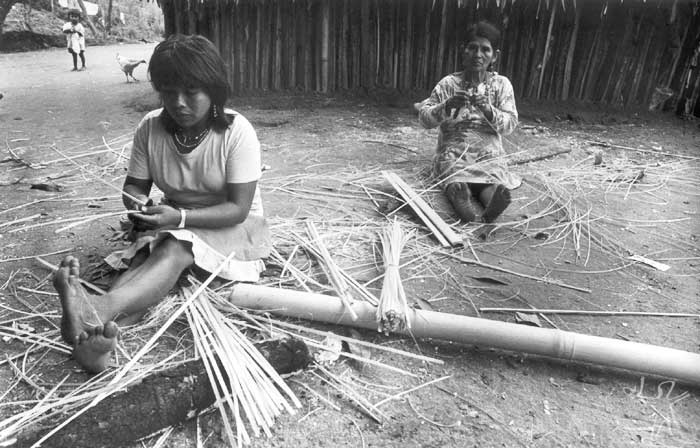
x: 74, y: 40
x: 197, y: 179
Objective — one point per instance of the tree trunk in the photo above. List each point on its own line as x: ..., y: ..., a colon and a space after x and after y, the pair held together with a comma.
x: 108, y: 23
x: 159, y: 401
x: 570, y: 55
x: 87, y: 17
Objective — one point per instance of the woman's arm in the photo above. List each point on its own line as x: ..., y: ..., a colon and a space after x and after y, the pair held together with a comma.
x: 138, y: 188
x: 504, y: 118
x: 233, y: 211
x: 432, y: 113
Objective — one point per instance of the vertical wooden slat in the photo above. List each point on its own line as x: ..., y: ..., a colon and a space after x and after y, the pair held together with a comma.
x: 343, y: 53
x: 277, y: 57
x: 440, y: 66
x: 545, y: 56
x: 366, y: 44
x: 325, y: 42
x: 308, y: 46
x: 292, y: 80
x: 407, y: 81
x: 355, y: 43
x: 426, y: 80
x: 570, y: 54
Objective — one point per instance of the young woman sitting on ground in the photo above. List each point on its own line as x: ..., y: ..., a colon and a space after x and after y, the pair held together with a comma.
x: 206, y: 160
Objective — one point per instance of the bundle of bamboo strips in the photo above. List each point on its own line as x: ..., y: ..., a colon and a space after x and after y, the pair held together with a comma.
x: 393, y: 308
x: 444, y: 233
x: 242, y: 379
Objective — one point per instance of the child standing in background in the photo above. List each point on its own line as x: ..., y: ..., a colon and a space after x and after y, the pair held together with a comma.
x: 75, y: 38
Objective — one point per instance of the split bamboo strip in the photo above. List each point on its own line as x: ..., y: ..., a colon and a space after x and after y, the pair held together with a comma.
x: 331, y: 269
x: 96, y: 177
x: 569, y: 346
x: 85, y: 220
x: 341, y: 273
x: 444, y: 233
x: 25, y: 219
x: 54, y: 268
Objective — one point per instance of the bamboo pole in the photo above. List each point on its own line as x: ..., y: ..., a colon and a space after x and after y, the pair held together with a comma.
x: 677, y: 55
x: 407, y: 59
x: 325, y: 41
x: 426, y: 79
x: 258, y: 44
x: 308, y: 46
x: 545, y: 56
x: 568, y: 346
x: 277, y: 63
x: 570, y: 54
x: 343, y: 66
x: 439, y: 67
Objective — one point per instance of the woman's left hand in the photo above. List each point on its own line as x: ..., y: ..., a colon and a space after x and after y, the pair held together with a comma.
x: 482, y: 102
x: 157, y: 216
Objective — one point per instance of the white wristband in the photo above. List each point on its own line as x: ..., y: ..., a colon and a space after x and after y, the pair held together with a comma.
x: 183, y: 217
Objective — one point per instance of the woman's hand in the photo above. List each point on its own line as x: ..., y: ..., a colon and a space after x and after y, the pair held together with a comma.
x: 157, y: 216
x: 136, y: 202
x: 455, y: 103
x: 481, y: 101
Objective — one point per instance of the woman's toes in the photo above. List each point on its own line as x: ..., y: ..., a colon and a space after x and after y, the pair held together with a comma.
x: 111, y: 329
x: 82, y: 337
x: 74, y: 267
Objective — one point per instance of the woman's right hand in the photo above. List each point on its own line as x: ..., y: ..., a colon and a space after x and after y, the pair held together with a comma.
x: 157, y: 216
x: 139, y: 224
x: 455, y: 103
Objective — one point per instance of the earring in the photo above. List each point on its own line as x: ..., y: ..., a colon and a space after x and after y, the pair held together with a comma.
x: 214, y: 112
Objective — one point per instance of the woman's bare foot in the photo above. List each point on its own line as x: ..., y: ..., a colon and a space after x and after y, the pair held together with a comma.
x: 95, y: 346
x: 79, y: 313
x: 499, y: 200
x: 463, y: 202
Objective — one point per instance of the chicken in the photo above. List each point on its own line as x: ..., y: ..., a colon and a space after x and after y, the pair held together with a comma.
x: 128, y: 66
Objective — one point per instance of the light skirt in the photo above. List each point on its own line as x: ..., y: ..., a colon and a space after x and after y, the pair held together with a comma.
x: 249, y: 240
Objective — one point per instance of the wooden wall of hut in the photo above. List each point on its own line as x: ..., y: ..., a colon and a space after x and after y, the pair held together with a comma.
x: 606, y: 51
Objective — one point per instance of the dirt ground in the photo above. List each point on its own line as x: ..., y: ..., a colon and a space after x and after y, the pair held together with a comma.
x: 643, y: 199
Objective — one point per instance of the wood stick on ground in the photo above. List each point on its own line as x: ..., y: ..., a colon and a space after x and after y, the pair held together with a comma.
x: 28, y: 257
x: 519, y: 274
x: 647, y: 151
x: 587, y: 312
x: 28, y: 218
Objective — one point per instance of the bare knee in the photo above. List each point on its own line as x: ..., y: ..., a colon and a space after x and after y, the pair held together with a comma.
x: 177, y: 251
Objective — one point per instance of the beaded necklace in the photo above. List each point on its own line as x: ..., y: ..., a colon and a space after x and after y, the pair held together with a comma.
x: 189, y: 143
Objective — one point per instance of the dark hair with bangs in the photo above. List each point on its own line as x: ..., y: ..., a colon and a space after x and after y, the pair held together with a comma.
x: 191, y: 62
x: 486, y: 30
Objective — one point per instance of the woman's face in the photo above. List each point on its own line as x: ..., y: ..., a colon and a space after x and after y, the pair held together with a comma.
x: 187, y: 106
x: 478, y: 55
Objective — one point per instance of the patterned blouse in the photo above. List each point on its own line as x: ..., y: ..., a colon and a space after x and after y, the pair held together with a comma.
x: 469, y: 147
